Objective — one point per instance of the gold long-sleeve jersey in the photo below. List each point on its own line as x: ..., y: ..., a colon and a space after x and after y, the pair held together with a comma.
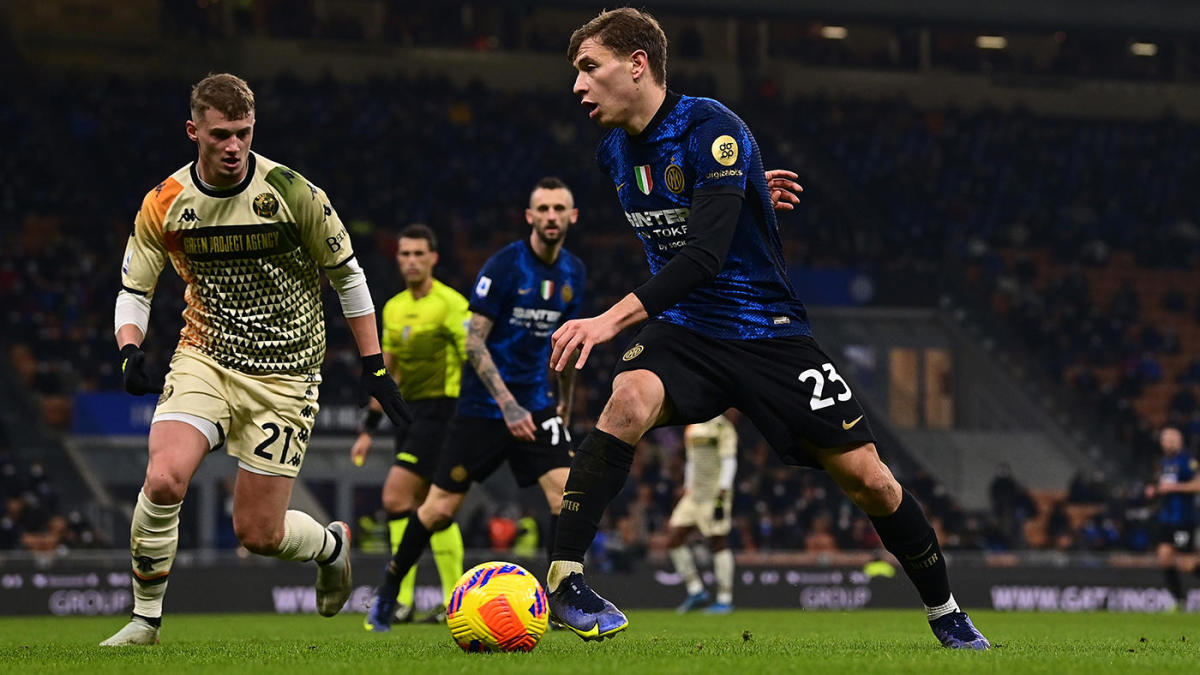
x: 707, y: 443
x: 251, y: 258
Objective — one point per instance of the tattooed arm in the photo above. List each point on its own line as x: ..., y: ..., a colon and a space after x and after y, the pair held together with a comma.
x: 519, y: 420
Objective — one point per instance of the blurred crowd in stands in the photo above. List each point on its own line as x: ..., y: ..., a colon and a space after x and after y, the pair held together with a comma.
x: 31, y: 515
x: 1075, y: 239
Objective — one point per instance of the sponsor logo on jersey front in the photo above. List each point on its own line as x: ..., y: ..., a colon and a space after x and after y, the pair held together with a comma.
x: 266, y: 205
x: 674, y: 178
x: 641, y: 174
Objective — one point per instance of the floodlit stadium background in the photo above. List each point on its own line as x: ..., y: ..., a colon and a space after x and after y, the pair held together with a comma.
x: 997, y: 240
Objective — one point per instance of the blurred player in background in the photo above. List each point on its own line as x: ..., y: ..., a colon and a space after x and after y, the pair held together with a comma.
x: 506, y: 411
x: 706, y: 506
x: 1178, y: 483
x: 424, y: 346
x: 728, y: 329
x: 250, y: 238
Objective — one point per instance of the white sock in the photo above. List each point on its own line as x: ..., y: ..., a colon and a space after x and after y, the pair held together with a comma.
x: 559, y: 570
x: 153, y: 538
x: 948, y: 607
x: 685, y: 565
x: 305, y: 539
x: 723, y: 571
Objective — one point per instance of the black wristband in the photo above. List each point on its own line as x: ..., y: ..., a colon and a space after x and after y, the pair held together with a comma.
x: 373, y: 363
x: 370, y: 421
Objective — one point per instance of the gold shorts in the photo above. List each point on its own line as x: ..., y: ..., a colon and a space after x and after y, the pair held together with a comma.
x: 692, y: 512
x: 265, y: 420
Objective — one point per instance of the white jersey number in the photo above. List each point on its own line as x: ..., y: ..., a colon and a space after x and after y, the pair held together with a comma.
x: 818, y: 379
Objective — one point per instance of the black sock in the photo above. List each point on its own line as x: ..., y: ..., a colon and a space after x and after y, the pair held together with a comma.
x: 550, y: 536
x: 155, y: 621
x: 1175, y: 584
x: 907, y: 535
x: 598, y: 473
x: 412, y: 545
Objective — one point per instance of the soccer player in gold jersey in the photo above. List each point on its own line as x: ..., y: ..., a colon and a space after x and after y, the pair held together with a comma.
x: 424, y: 346
x: 249, y: 237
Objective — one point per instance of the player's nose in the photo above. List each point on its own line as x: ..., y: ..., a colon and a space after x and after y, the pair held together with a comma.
x: 580, y: 86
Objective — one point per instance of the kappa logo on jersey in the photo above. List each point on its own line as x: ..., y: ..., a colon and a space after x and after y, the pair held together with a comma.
x: 725, y: 150
x: 674, y: 178
x: 189, y: 216
x: 484, y: 285
x: 266, y: 205
x: 633, y: 352
x: 641, y: 174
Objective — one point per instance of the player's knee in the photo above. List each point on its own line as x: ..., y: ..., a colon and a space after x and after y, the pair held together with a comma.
x: 438, y: 513
x: 164, y: 486
x: 258, y: 539
x: 876, y: 491
x: 631, y: 407
x: 397, y: 502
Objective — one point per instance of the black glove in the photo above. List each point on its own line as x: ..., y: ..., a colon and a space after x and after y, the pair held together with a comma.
x: 378, y: 384
x: 719, y: 508
x: 133, y: 365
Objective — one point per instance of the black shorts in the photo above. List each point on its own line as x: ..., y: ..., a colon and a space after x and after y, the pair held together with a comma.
x: 477, y: 446
x: 787, y: 386
x: 419, y: 443
x: 1181, y: 537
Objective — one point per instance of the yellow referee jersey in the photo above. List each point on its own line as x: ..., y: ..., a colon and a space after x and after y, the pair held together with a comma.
x: 428, y: 339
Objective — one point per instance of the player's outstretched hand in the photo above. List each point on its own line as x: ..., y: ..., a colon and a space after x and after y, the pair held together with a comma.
x: 581, y: 334
x: 519, y: 421
x: 784, y: 188
x: 133, y: 367
x: 377, y: 384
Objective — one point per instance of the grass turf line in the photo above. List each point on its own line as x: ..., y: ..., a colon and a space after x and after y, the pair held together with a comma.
x: 745, y: 642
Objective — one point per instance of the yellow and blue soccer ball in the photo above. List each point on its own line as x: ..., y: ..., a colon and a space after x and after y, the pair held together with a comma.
x: 497, y: 607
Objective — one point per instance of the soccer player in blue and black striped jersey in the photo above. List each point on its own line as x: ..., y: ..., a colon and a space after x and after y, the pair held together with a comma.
x: 1178, y: 484
x: 507, y: 410
x: 721, y: 324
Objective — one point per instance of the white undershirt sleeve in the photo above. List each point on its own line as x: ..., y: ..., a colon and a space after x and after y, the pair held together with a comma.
x: 131, y: 308
x: 351, y: 286
x: 728, y: 471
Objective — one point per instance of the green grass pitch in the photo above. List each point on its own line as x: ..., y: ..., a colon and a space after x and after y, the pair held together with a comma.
x: 748, y: 641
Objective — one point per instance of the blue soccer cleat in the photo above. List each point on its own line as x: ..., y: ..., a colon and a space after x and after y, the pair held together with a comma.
x: 719, y: 608
x: 956, y: 631
x: 693, y: 601
x: 577, y: 607
x: 381, y: 613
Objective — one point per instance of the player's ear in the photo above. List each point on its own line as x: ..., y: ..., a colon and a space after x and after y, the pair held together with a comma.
x: 574, y: 215
x: 433, y: 258
x: 192, y: 130
x: 529, y: 216
x: 638, y: 62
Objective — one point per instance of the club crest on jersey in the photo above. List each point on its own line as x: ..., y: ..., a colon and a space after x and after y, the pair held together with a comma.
x: 547, y: 290
x: 266, y: 205
x: 674, y: 178
x: 641, y: 174
x: 568, y: 293
x: 633, y: 352
x: 166, y: 394
x: 725, y: 150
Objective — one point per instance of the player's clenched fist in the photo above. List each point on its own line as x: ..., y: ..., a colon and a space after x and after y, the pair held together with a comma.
x: 379, y: 385
x: 133, y: 367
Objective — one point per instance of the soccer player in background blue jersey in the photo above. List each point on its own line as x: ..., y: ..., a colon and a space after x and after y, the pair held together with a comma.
x: 506, y: 407
x: 723, y: 325
x: 1177, y: 486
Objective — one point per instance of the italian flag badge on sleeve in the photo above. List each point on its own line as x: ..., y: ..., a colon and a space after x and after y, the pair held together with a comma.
x: 642, y: 175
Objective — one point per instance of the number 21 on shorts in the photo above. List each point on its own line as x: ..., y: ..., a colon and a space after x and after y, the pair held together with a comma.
x: 818, y: 378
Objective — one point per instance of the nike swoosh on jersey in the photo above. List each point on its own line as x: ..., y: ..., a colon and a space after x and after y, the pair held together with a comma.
x: 524, y: 291
x: 850, y: 425
x: 573, y: 492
